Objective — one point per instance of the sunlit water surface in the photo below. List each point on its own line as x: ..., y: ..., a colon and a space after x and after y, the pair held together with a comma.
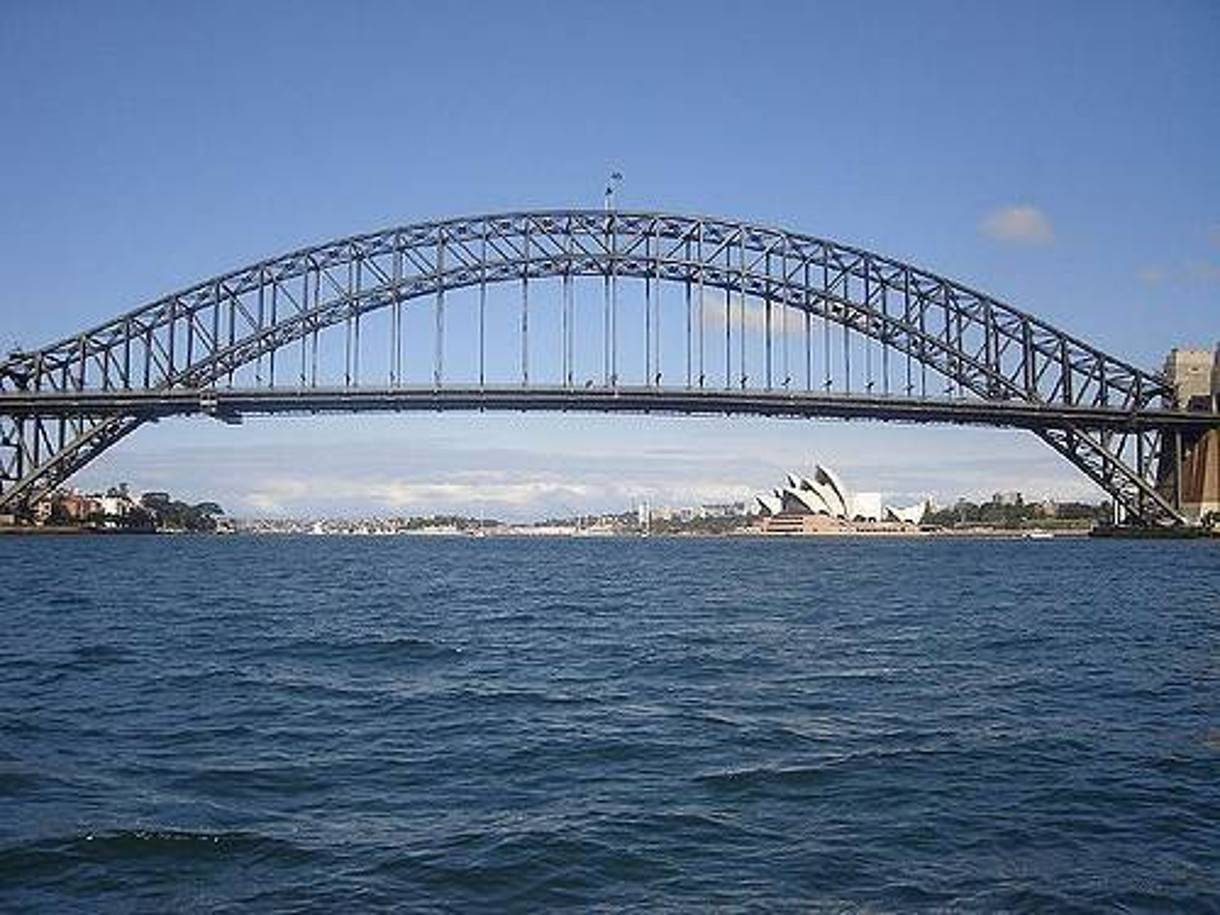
x: 330, y: 724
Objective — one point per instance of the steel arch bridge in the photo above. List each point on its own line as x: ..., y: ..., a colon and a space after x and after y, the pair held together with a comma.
x: 775, y: 304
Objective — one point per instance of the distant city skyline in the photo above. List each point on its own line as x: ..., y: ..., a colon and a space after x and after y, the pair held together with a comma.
x: 510, y: 472
x: 1061, y: 159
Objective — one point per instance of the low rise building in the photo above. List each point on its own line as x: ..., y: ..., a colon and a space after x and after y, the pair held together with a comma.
x: 722, y: 510
x: 115, y: 504
x: 78, y: 506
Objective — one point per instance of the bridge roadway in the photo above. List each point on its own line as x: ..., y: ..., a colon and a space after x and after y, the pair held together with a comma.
x: 232, y: 403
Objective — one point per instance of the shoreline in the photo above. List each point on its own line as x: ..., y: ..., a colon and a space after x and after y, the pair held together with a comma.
x: 525, y: 533
x: 70, y: 531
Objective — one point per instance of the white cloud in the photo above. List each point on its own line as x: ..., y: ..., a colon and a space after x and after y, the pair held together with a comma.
x: 1020, y: 223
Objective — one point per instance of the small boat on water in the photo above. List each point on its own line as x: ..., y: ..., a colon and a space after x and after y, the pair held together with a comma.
x: 1039, y: 535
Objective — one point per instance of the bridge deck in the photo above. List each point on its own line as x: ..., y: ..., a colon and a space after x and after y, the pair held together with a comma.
x: 230, y: 402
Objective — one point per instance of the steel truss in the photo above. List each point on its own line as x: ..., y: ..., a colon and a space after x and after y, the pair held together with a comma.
x: 267, y: 318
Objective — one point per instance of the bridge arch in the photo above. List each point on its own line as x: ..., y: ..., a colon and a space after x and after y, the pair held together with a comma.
x: 63, y: 404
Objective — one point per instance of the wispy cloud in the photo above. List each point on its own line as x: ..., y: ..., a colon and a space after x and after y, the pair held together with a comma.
x: 509, y: 495
x: 783, y: 320
x: 1205, y: 272
x: 277, y: 494
x: 1194, y: 272
x: 1202, y: 269
x: 519, y: 467
x: 1019, y: 223
x: 1152, y: 275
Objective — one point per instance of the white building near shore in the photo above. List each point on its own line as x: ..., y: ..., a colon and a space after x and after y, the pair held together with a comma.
x: 824, y: 493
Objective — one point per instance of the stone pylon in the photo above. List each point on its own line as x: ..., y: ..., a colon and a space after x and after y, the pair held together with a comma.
x: 1201, y: 476
x: 1195, y: 374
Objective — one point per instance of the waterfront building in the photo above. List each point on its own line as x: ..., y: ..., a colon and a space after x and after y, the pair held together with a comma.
x: 115, y: 504
x: 77, y: 506
x: 1006, y: 498
x: 722, y: 510
x: 866, y: 506
x: 821, y: 502
x: 770, y: 503
x: 912, y: 514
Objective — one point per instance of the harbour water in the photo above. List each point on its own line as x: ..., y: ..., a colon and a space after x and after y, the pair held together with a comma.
x: 452, y: 725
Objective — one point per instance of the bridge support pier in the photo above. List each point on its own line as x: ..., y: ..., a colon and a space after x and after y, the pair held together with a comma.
x: 1200, y: 475
x: 1189, y: 473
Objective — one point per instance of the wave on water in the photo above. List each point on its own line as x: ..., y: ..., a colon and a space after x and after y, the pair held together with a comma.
x: 80, y: 659
x: 13, y: 782
x: 764, y: 778
x: 253, y: 781
x: 69, y: 601
x: 366, y: 651
x: 96, y: 656
x: 52, y: 857
x: 523, y: 869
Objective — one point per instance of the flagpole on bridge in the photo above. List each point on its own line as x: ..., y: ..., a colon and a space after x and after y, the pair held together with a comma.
x: 615, y: 179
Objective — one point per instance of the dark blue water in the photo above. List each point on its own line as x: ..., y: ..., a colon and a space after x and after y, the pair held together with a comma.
x: 326, y: 724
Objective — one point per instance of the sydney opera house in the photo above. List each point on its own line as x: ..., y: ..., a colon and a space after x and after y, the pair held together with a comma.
x: 821, y: 503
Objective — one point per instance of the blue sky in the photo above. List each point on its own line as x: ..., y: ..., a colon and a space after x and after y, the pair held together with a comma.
x: 1060, y: 156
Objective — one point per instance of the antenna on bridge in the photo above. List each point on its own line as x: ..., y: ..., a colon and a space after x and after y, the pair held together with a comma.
x: 616, y: 178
